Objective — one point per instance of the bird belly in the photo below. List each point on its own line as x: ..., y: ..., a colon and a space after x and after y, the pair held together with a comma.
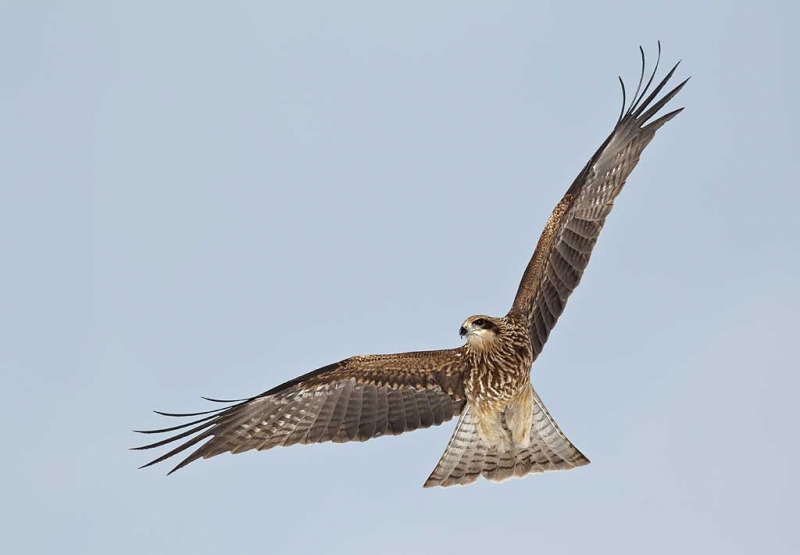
x: 505, y: 422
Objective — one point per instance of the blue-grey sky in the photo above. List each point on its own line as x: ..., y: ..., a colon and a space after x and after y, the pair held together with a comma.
x: 209, y: 199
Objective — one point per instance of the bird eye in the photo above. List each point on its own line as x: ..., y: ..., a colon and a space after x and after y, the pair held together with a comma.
x: 480, y: 322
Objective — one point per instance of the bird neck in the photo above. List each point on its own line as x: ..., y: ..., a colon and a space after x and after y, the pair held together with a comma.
x: 512, y: 348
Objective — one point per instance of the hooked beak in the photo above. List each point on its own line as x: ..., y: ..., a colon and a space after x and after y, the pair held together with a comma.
x: 462, y: 332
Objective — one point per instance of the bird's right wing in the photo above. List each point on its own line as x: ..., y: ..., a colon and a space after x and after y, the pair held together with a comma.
x: 353, y: 400
x: 564, y: 248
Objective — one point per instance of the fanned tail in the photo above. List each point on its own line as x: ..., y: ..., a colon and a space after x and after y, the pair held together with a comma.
x: 467, y: 456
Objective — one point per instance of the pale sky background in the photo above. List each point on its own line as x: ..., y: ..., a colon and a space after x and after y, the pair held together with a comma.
x: 209, y: 199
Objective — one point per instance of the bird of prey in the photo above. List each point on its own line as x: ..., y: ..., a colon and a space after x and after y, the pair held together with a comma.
x: 503, y: 429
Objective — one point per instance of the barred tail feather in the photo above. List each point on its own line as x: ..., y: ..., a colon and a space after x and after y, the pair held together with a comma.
x: 467, y: 456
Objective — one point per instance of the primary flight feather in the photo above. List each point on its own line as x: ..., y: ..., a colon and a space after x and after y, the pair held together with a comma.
x: 504, y: 428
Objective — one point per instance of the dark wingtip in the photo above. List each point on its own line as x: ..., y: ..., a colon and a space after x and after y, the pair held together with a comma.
x: 641, y: 79
x: 203, y: 426
x: 622, y: 109
x: 174, y: 470
x: 223, y: 400
x: 186, y: 414
x: 155, y: 462
x: 643, y: 104
x: 655, y: 125
x: 178, y: 427
x: 190, y: 459
x: 151, y: 463
x: 655, y: 108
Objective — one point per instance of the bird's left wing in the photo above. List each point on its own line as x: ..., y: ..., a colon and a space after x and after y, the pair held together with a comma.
x: 564, y: 248
x: 353, y: 400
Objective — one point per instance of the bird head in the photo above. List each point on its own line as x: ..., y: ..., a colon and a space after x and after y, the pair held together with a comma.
x: 480, y: 329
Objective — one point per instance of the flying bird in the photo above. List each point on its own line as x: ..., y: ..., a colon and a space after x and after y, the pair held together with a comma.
x: 504, y: 428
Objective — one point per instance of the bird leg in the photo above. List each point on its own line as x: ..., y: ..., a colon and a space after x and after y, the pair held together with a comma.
x: 519, y: 418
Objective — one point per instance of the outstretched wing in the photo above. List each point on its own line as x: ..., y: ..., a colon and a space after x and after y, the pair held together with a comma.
x: 353, y: 400
x: 563, y: 250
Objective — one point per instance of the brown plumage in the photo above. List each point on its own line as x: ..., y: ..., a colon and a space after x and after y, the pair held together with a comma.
x: 504, y: 428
